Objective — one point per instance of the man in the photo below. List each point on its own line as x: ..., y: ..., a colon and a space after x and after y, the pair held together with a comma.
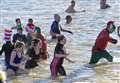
x: 18, y: 24
x: 98, y: 50
x: 103, y: 4
x: 19, y: 36
x: 56, y: 28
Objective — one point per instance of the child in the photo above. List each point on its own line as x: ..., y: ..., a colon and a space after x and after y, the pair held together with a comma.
x: 19, y: 36
x: 18, y: 24
x: 68, y: 19
x: 59, y: 55
x: 98, y: 50
x: 33, y: 52
x: 71, y: 9
x: 14, y: 66
x: 8, y: 46
x: 103, y: 4
x: 30, y: 29
x: 118, y: 31
x: 43, y: 50
x: 56, y: 28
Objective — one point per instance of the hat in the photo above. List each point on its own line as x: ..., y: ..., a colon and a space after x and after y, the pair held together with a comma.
x: 111, y: 22
x: 38, y: 30
x: 7, y: 34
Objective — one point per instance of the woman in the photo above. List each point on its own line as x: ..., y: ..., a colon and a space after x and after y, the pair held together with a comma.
x: 15, y: 59
x: 59, y: 56
x: 43, y: 49
x: 33, y: 53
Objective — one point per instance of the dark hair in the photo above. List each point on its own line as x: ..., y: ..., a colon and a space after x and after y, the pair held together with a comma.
x: 35, y: 42
x: 19, y: 44
x: 68, y: 16
x: 17, y: 19
x: 61, y: 37
x: 30, y: 20
x: 72, y: 1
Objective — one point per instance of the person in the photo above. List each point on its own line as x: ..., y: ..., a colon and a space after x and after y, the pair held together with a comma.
x: 118, y: 31
x: 56, y: 28
x: 7, y: 47
x: 33, y: 53
x: 43, y: 49
x: 98, y: 50
x: 30, y: 29
x: 103, y: 4
x: 19, y: 36
x: 68, y: 19
x: 71, y: 9
x: 59, y: 56
x: 14, y: 66
x: 18, y: 24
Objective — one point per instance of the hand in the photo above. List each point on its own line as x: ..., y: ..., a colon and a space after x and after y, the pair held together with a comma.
x: 114, y: 41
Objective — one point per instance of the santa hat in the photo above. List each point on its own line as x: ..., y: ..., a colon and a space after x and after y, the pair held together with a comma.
x: 30, y: 28
x: 7, y: 34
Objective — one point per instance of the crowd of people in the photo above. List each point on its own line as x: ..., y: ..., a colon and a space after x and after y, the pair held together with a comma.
x: 32, y: 46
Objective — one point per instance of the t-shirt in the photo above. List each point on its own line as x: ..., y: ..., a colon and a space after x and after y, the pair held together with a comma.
x: 20, y: 37
x: 55, y: 27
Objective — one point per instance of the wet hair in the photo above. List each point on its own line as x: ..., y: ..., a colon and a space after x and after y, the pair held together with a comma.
x: 35, y: 42
x: 68, y: 16
x: 72, y: 1
x: 19, y: 44
x: 17, y: 19
x: 30, y: 20
x: 60, y: 38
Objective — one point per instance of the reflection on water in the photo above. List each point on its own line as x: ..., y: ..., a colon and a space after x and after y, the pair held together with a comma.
x: 85, y: 25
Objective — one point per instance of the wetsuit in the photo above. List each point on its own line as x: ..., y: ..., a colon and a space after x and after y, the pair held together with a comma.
x: 33, y: 61
x: 55, y: 29
x: 20, y: 37
x: 56, y: 64
x: 17, y: 60
x: 7, y: 49
x: 98, y: 50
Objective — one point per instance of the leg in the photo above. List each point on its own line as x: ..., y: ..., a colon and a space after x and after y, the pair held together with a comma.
x: 107, y: 56
x: 10, y: 72
x: 54, y: 68
x: 61, y: 71
x: 95, y: 58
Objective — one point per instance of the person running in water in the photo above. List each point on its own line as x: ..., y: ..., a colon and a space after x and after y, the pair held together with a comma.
x: 59, y: 56
x: 56, y: 28
x: 30, y: 29
x: 7, y: 47
x: 14, y: 65
x: 103, y: 4
x: 98, y: 50
x: 43, y: 49
x: 19, y: 36
x: 34, y: 53
x: 71, y: 9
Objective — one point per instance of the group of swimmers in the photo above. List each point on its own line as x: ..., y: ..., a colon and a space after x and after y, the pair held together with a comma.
x: 34, y: 45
